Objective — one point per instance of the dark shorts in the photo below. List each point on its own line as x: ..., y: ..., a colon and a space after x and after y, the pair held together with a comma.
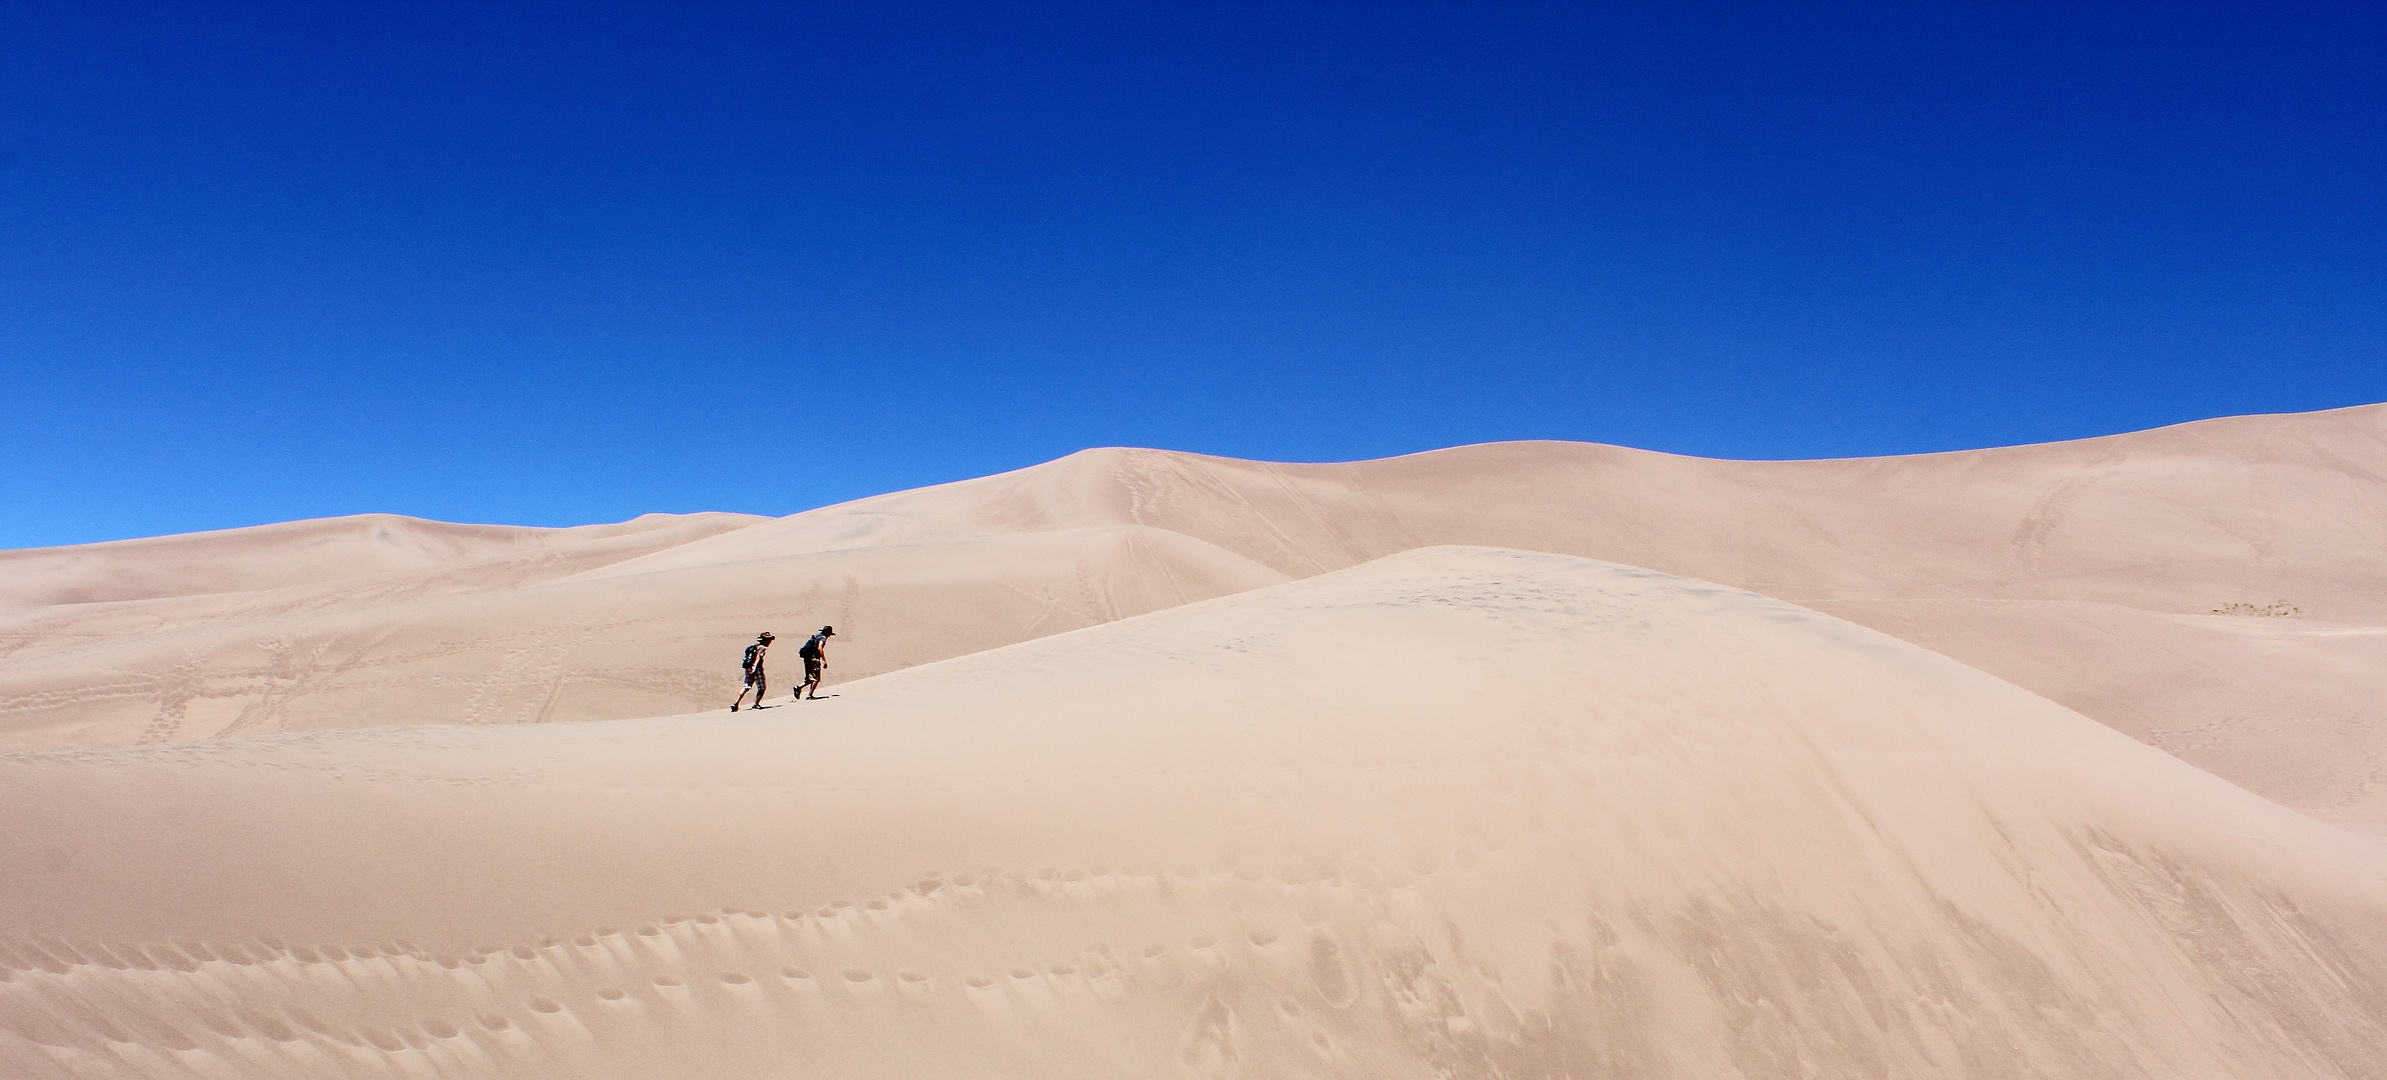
x: 812, y: 668
x: 754, y: 676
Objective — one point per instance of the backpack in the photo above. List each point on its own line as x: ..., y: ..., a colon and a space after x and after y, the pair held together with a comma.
x: 751, y: 651
x: 811, y: 649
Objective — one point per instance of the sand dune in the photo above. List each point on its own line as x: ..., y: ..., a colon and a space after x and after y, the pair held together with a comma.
x: 2295, y: 709
x: 2086, y: 571
x: 1458, y: 812
x: 427, y: 647
x: 2247, y: 509
x: 378, y: 547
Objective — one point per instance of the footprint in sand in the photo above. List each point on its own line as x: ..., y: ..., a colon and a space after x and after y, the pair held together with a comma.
x: 1331, y: 974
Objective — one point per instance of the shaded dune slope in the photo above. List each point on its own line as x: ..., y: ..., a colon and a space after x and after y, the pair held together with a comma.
x: 1459, y: 812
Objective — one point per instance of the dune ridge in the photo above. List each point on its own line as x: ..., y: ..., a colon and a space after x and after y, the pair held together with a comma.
x: 2087, y: 571
x: 299, y: 553
x: 1455, y: 812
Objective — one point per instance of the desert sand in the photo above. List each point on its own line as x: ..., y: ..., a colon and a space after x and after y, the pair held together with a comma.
x: 1516, y: 760
x: 2089, y: 572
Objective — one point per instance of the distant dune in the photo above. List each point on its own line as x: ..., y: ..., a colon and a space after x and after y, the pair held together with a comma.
x: 1456, y: 812
x: 2090, y: 572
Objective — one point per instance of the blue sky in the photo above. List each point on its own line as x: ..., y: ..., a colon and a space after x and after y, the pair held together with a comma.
x: 567, y: 264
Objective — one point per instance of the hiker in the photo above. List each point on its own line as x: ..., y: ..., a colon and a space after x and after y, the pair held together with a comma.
x: 754, y: 672
x: 815, y: 654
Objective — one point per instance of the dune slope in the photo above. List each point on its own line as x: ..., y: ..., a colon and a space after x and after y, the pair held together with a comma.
x: 2087, y: 571
x: 375, y: 547
x: 1458, y: 812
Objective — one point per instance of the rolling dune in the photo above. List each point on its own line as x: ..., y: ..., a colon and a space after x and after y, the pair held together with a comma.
x: 1455, y: 812
x: 368, y: 548
x: 2088, y: 571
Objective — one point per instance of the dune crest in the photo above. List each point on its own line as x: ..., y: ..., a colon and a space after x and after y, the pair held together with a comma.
x: 2117, y: 575
x: 1457, y: 812
x: 323, y: 550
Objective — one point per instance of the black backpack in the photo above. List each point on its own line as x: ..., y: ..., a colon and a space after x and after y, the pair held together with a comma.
x: 751, y: 652
x: 811, y: 649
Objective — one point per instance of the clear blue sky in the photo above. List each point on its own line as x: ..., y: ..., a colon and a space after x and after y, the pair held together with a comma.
x: 567, y: 264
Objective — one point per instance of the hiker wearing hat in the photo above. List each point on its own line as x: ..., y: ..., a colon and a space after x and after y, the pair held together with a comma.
x: 815, y: 654
x: 754, y: 671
